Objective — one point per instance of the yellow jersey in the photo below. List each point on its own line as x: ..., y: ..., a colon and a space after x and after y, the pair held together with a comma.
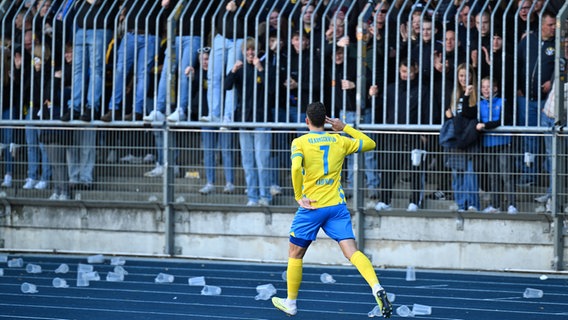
x: 317, y: 161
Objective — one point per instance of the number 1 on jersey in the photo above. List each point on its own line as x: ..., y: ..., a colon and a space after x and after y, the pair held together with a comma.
x: 325, y: 155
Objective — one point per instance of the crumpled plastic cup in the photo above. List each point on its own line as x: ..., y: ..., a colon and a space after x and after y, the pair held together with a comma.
x: 81, y: 267
x: 98, y: 258
x: 59, y: 283
x: 164, y: 278
x: 265, y: 291
x: 117, y: 261
x: 121, y: 270
x: 196, y: 281
x: 63, y: 268
x: 91, y: 276
x: 422, y: 310
x: 114, y: 277
x: 376, y: 312
x: 531, y: 293
x: 410, y: 273
x: 33, y: 268
x: 16, y: 263
x: 404, y: 311
x: 211, y: 291
x: 326, y: 278
x: 27, y: 287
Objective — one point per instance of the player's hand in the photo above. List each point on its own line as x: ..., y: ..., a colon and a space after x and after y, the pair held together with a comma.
x: 336, y: 124
x: 306, y: 203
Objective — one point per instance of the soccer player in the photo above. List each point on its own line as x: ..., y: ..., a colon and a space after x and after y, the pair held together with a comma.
x: 317, y: 160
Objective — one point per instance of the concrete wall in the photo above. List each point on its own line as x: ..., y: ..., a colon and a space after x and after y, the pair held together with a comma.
x: 479, y: 242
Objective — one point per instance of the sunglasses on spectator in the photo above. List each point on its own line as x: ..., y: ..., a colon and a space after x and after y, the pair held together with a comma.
x: 382, y: 11
x: 204, y: 50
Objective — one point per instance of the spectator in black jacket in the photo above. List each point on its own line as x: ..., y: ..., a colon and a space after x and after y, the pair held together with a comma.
x: 399, y: 111
x: 536, y: 70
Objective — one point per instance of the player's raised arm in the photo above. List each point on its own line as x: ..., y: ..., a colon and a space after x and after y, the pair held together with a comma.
x: 338, y: 125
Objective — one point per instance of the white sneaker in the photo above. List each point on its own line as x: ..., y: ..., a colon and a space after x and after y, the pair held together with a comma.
x: 275, y: 190
x: 154, y: 116
x: 176, y: 116
x: 209, y: 119
x: 54, y: 196
x: 30, y: 183
x: 41, y: 185
x: 490, y: 209
x: 542, y: 199
x: 158, y: 171
x: 412, y: 207
x: 14, y: 149
x: 131, y: 159
x: 263, y: 203
x: 283, y: 305
x: 207, y: 189
x: 251, y: 203
x: 111, y: 157
x: 64, y: 196
x: 472, y: 209
x: 229, y: 188
x: 381, y: 206
x: 7, y: 183
x: 149, y: 158
x: 512, y: 210
x: 548, y: 205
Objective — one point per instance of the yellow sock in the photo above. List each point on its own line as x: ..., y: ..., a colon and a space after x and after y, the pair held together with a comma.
x: 362, y: 263
x: 294, y: 277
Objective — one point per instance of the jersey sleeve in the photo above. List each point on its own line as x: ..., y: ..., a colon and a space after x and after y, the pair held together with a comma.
x: 297, y: 157
x: 359, y: 141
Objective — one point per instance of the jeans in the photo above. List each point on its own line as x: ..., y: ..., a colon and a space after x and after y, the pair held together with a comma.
x: 371, y: 165
x: 89, y: 50
x: 133, y: 47
x: 159, y: 141
x: 497, y: 161
x: 466, y: 187
x: 222, y: 58
x: 392, y: 164
x: 36, y: 150
x: 280, y: 155
x: 256, y: 147
x: 547, y: 122
x: 81, y: 156
x: 7, y: 138
x: 209, y: 141
x: 60, y: 179
x: 189, y: 46
x: 529, y: 143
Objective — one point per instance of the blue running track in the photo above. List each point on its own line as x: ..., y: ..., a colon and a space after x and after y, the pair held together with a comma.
x: 451, y: 294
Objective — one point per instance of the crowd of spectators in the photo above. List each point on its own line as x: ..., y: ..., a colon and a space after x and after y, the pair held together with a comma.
x: 234, y: 64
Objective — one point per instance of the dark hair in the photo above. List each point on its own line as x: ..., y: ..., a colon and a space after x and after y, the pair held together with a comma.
x: 316, y: 113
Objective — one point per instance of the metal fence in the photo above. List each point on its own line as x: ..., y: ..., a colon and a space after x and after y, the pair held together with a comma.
x: 113, y: 101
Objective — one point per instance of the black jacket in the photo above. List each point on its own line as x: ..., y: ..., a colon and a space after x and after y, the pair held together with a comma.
x: 245, y: 80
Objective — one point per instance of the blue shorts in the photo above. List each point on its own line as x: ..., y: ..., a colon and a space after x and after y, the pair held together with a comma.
x: 335, y: 222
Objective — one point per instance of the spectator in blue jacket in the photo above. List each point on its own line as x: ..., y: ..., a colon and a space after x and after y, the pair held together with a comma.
x: 497, y: 148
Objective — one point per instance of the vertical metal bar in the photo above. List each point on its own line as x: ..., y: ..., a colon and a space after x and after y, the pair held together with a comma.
x: 559, y: 142
x: 361, y: 47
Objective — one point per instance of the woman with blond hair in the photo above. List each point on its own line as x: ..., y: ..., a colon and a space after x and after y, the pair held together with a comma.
x: 463, y: 112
